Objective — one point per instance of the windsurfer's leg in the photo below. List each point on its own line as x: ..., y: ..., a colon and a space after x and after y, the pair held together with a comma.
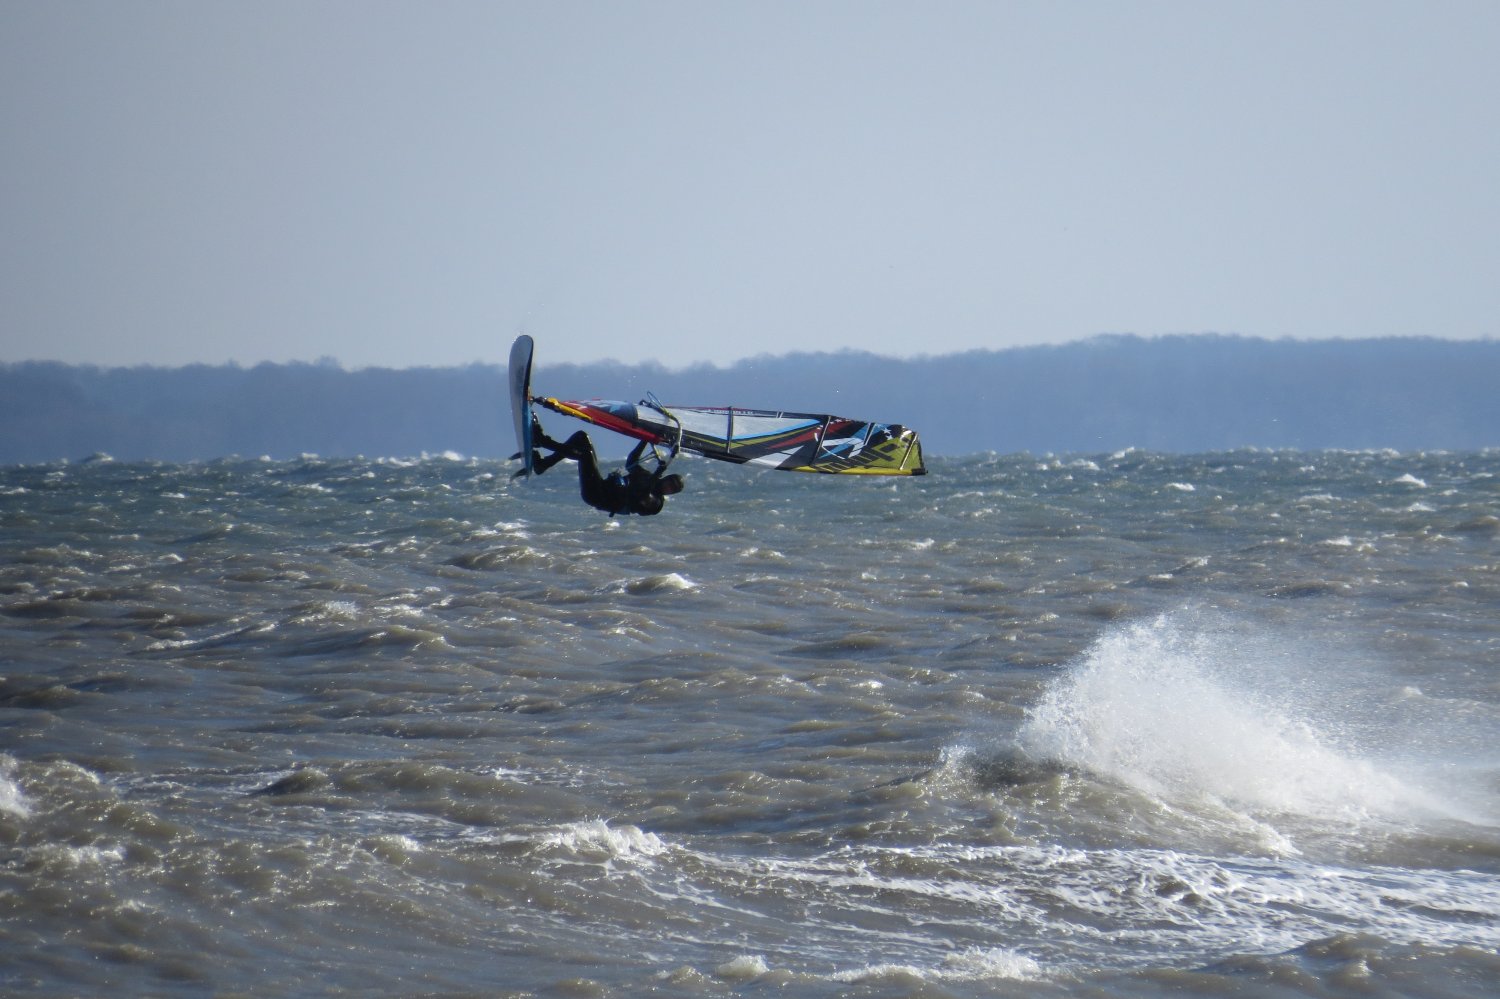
x: 578, y: 447
x: 539, y: 439
x: 539, y: 436
x: 581, y: 449
x: 591, y: 484
x: 540, y: 462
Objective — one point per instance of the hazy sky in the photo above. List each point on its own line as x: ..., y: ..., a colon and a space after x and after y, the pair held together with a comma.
x: 416, y: 183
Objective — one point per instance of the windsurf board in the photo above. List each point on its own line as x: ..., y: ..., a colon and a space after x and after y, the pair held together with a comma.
x: 520, y: 398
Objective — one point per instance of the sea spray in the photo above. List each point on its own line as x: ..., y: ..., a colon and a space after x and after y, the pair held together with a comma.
x: 1203, y: 710
x: 12, y: 798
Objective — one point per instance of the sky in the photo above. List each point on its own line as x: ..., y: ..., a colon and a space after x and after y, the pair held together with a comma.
x: 414, y: 184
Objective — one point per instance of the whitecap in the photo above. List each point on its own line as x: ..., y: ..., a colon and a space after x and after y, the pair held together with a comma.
x: 1201, y: 713
x: 876, y: 973
x: 92, y: 856
x: 393, y: 848
x: 666, y: 582
x: 12, y: 798
x: 990, y: 962
x: 1410, y: 480
x: 766, y: 554
x: 970, y: 964
x: 743, y: 968
x: 597, y: 840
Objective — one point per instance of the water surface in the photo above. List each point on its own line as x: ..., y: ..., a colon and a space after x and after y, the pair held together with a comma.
x: 1225, y: 724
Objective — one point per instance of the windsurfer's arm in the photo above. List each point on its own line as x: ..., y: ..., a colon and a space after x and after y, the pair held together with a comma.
x: 634, y: 460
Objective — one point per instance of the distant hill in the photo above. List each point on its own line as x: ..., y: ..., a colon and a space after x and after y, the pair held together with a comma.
x: 1185, y: 393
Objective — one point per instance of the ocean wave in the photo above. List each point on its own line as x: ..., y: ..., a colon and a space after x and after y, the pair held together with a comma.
x: 12, y: 798
x: 667, y: 582
x: 972, y: 964
x: 596, y: 841
x: 504, y: 557
x: 1203, y: 711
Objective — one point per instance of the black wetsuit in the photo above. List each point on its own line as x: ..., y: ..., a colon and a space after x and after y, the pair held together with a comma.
x: 634, y: 490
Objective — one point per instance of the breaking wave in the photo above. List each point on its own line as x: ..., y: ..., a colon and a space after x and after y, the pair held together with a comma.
x: 1204, y: 711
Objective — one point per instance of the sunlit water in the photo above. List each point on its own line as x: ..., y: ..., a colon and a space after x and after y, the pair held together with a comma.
x: 1222, y: 724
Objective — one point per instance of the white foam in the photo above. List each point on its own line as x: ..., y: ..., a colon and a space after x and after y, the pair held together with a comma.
x: 393, y: 848
x: 12, y: 798
x: 990, y: 962
x: 91, y: 856
x: 666, y: 582
x: 1037, y: 911
x: 880, y: 972
x: 969, y: 965
x: 341, y: 610
x: 598, y: 840
x: 763, y: 554
x: 743, y: 968
x: 1199, y: 712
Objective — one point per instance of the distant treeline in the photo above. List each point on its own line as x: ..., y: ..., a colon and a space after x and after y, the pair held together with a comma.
x: 1183, y: 394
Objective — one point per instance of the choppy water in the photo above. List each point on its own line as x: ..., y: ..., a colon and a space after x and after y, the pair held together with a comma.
x: 1223, y: 724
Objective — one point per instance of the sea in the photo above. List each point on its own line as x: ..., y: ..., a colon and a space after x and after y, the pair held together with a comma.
x: 1104, y: 726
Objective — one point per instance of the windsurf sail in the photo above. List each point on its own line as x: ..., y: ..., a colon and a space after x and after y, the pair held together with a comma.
x: 794, y: 442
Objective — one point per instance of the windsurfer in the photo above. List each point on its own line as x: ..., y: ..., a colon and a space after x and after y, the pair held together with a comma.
x: 631, y: 490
